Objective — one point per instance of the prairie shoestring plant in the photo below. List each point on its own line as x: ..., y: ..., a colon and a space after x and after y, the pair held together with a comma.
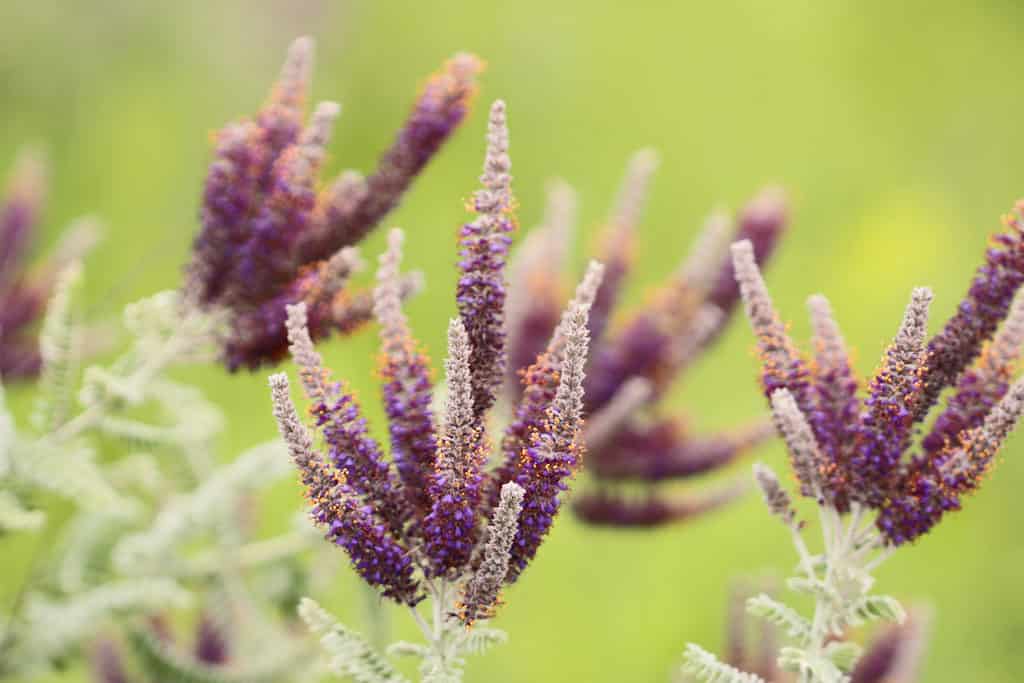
x: 24, y: 289
x: 632, y: 436
x: 434, y: 522
x: 271, y: 237
x: 851, y: 455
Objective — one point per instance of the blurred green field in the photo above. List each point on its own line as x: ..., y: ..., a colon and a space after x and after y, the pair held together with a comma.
x: 893, y: 125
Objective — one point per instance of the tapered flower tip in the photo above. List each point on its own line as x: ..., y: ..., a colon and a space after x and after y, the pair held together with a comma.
x: 635, y: 186
x: 318, y: 133
x: 295, y: 73
x: 81, y: 236
x: 796, y: 432
x: 27, y: 179
x: 463, y: 67
x: 743, y: 258
x: 766, y: 212
x: 775, y: 497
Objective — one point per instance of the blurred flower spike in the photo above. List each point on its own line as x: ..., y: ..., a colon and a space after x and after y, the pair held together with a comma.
x: 25, y: 289
x: 272, y: 236
x: 632, y: 437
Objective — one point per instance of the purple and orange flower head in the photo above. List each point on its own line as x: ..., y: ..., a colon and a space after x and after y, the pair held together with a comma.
x: 631, y: 436
x: 434, y: 510
x: 25, y: 289
x: 272, y: 236
x: 850, y: 451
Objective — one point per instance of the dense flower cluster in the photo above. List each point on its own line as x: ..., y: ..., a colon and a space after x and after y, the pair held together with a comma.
x: 849, y: 452
x: 271, y: 237
x: 25, y: 290
x: 630, y: 435
x: 408, y: 524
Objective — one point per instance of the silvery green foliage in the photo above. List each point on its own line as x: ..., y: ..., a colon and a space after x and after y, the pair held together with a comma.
x: 838, y: 580
x: 706, y: 667
x: 348, y: 652
x: 442, y: 657
x: 156, y: 524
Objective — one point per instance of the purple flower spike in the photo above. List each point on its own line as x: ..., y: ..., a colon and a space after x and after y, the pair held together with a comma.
x: 834, y: 421
x: 358, y: 456
x: 761, y: 222
x: 885, y: 426
x: 540, y: 384
x: 617, y: 251
x: 440, y: 108
x: 266, y: 262
x: 664, y: 450
x: 483, y: 250
x: 555, y: 450
x: 782, y: 365
x: 982, y: 386
x: 19, y: 212
x: 25, y: 289
x: 407, y: 387
x: 979, y: 314
x: 376, y: 554
x: 451, y: 527
x: 607, y: 509
x: 269, y: 233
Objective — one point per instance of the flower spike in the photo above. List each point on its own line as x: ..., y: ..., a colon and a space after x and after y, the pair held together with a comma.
x: 270, y: 238
x: 407, y: 387
x: 482, y: 591
x: 483, y: 249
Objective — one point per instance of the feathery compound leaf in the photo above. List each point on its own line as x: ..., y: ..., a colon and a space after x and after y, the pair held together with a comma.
x: 876, y: 607
x: 703, y: 665
x: 817, y: 669
x: 204, y: 508
x: 350, y: 654
x: 843, y: 654
x: 781, y: 615
x: 481, y: 638
x: 59, y: 354
x: 73, y: 475
x: 160, y: 663
x: 54, y: 627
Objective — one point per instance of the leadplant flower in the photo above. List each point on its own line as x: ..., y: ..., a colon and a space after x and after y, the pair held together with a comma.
x: 851, y: 456
x: 271, y: 236
x: 433, y: 521
x: 636, y: 357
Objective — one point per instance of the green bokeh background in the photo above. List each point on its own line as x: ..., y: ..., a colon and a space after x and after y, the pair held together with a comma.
x: 895, y: 126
